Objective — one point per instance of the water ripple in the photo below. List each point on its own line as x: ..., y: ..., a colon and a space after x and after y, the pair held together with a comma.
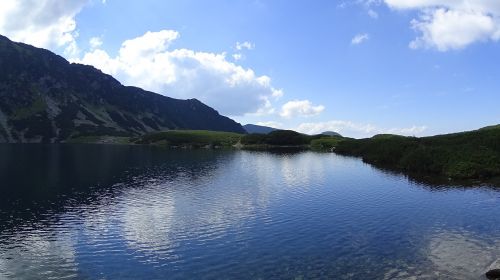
x: 246, y: 215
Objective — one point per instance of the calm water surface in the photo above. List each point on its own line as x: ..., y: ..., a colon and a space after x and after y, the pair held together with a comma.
x: 124, y: 212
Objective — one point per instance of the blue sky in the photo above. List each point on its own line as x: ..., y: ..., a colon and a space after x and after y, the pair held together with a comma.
x: 360, y: 67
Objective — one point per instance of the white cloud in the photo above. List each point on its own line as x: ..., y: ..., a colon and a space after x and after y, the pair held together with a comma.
x: 372, y: 14
x: 266, y: 109
x: 42, y: 23
x: 245, y: 45
x: 452, y: 24
x: 413, y: 130
x: 359, y: 38
x: 278, y: 93
x: 148, y: 62
x: 453, y: 29
x: 272, y: 124
x: 237, y: 56
x: 480, y: 5
x: 355, y: 129
x: 300, y: 108
x: 242, y: 47
x: 95, y: 42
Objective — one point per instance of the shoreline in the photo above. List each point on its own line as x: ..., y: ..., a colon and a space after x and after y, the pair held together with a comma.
x: 431, y: 179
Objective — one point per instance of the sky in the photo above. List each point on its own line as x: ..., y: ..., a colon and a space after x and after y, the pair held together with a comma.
x: 360, y: 67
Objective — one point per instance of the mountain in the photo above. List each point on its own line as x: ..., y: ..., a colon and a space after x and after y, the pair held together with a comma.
x: 252, y: 128
x: 44, y: 98
x: 331, y: 133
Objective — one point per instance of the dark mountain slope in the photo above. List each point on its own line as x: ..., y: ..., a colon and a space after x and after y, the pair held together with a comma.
x: 44, y: 98
x: 331, y: 133
x: 253, y: 128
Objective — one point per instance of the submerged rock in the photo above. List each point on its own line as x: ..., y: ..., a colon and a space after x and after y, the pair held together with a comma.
x: 494, y: 270
x: 493, y: 274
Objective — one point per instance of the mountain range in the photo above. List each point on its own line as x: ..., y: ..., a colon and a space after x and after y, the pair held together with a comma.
x: 44, y: 98
x: 253, y: 128
x: 331, y: 133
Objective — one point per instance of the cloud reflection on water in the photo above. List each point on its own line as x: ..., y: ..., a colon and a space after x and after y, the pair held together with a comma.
x: 204, y: 213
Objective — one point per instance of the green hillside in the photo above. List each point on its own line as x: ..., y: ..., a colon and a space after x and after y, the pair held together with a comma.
x: 466, y: 155
x: 190, y: 138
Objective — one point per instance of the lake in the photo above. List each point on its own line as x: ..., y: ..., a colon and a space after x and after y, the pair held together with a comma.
x: 138, y: 212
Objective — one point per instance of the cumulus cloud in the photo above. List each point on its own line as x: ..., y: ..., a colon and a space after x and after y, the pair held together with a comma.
x: 453, y: 29
x: 452, y: 24
x: 242, y: 47
x: 149, y: 62
x: 300, y: 108
x: 95, y: 42
x: 237, y: 56
x: 245, y: 45
x: 355, y: 129
x: 42, y: 23
x: 359, y: 38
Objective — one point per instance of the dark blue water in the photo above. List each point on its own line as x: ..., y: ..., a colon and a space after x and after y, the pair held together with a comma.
x: 129, y: 212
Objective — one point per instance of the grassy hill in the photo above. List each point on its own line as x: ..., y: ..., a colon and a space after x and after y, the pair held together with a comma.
x: 276, y: 138
x: 190, y: 138
x: 203, y: 138
x: 466, y: 155
x: 326, y: 143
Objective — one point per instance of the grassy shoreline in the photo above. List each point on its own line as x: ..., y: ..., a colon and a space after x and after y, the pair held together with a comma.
x: 473, y: 155
x: 465, y: 155
x: 280, y: 139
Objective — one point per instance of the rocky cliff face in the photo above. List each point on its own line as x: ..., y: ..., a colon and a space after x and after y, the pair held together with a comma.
x: 44, y: 98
